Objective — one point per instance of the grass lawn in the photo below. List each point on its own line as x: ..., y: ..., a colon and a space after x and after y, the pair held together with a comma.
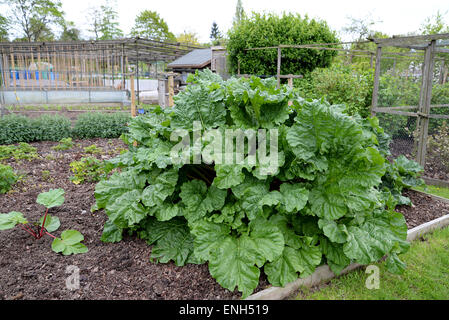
x: 426, y: 276
x: 438, y: 191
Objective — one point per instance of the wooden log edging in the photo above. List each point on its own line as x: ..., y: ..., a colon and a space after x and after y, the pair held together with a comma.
x: 324, y: 273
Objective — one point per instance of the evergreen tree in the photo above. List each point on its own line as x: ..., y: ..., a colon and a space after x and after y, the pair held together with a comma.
x: 215, y: 33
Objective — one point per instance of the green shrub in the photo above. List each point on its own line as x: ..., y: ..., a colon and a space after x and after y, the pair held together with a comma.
x: 340, y: 84
x: 101, y: 125
x: 7, y: 178
x: 262, y: 30
x: 17, y: 128
x: 52, y: 128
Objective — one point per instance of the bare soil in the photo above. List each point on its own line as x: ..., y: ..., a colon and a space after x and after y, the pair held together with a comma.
x: 30, y: 270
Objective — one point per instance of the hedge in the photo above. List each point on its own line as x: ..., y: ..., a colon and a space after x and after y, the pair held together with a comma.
x: 18, y: 128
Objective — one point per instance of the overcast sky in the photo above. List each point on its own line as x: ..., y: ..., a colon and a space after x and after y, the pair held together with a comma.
x: 397, y: 16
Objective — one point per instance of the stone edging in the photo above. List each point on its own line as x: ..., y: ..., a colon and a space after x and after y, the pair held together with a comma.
x: 324, y: 273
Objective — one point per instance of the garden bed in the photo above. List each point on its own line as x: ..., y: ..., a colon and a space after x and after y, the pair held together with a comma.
x: 29, y: 269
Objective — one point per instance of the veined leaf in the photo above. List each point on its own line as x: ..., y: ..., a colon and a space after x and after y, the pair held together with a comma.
x: 199, y: 200
x: 69, y: 243
x: 51, y: 223
x: 10, y: 220
x: 51, y: 198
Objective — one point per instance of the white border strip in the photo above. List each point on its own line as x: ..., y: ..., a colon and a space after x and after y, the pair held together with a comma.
x: 324, y: 273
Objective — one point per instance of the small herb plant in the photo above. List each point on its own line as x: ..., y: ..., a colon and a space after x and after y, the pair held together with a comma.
x: 7, y: 178
x: 70, y: 240
x: 64, y: 144
x: 87, y: 169
x: 93, y: 149
x: 22, y: 151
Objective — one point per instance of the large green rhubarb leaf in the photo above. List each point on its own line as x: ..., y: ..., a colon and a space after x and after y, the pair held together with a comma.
x: 285, y: 269
x: 159, y: 189
x: 199, y: 200
x: 171, y: 240
x: 232, y: 261
x: 199, y: 103
x: 377, y: 236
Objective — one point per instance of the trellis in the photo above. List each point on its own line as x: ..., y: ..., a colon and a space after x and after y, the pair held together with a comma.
x: 431, y: 45
x: 81, y: 65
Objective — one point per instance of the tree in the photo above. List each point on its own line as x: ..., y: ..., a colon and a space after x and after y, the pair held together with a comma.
x: 215, y: 34
x: 239, y: 12
x: 188, y: 38
x: 360, y: 28
x: 35, y: 18
x: 266, y: 30
x: 104, y: 22
x: 148, y: 24
x: 434, y: 24
x: 4, y: 26
x: 70, y: 32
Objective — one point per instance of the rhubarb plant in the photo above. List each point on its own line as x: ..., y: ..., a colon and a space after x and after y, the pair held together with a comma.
x: 70, y: 240
x: 324, y: 203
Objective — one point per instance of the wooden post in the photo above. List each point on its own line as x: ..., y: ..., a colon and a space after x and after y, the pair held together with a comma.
x: 39, y: 69
x: 290, y: 84
x: 13, y: 70
x: 440, y: 80
x: 171, y: 92
x: 32, y: 76
x: 133, y: 97
x: 133, y: 102
x: 279, y: 68
x: 376, y: 80
x: 424, y: 102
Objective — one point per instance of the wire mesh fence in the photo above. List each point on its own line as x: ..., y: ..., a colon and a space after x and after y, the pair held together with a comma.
x: 413, y: 106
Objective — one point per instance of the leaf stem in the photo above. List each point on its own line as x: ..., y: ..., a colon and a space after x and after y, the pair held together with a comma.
x: 50, y: 235
x: 28, y: 230
x: 41, y: 233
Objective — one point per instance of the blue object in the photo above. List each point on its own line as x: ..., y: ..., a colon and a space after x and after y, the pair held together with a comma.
x: 141, y: 111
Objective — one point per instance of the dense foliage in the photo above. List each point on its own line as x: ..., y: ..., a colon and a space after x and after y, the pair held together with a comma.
x: 18, y: 128
x: 100, y: 125
x: 323, y: 204
x: 7, y: 178
x: 267, y: 30
x: 340, y: 84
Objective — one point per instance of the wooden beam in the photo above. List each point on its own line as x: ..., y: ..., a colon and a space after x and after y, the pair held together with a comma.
x: 424, y: 102
x: 133, y: 97
x: 376, y: 80
x: 279, y: 67
x: 170, y: 91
